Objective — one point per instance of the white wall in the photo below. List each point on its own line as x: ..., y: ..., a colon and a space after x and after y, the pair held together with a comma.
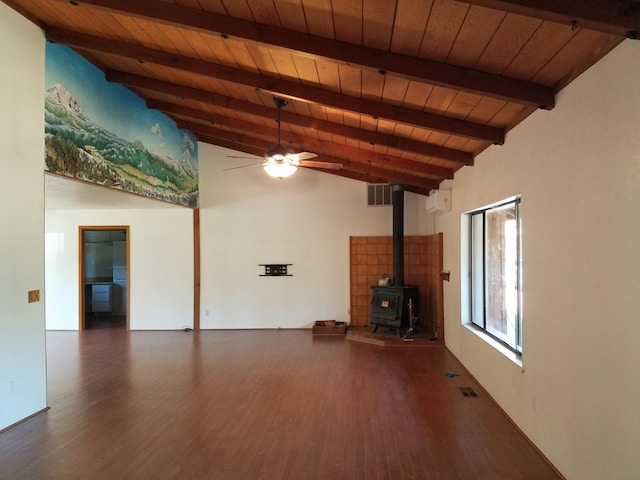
x: 160, y: 263
x: 22, y: 342
x: 578, y: 170
x: 248, y: 218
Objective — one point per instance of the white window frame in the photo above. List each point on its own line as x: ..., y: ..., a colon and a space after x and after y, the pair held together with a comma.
x: 474, y: 310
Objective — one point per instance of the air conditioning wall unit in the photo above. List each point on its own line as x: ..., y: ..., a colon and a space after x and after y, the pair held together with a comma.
x: 439, y: 201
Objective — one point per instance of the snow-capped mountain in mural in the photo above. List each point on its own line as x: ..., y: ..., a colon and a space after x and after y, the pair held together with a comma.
x: 60, y: 96
x: 77, y: 147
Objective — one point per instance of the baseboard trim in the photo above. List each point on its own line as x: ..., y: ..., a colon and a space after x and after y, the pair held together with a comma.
x: 13, y: 425
x: 493, y: 400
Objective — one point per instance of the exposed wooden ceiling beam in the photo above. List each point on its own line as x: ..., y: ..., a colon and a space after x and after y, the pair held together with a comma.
x: 233, y: 140
x: 419, y: 191
x: 239, y: 142
x: 384, y: 62
x: 619, y: 17
x: 285, y: 88
x: 367, y: 136
x: 250, y: 150
x: 391, y: 176
x: 324, y: 149
x: 293, y: 140
x: 361, y: 172
x: 344, y: 172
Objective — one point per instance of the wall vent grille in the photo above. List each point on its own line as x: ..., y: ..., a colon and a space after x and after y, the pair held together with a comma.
x: 378, y: 194
x: 467, y: 392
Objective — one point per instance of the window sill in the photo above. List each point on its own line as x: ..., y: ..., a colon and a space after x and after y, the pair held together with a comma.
x: 511, y: 355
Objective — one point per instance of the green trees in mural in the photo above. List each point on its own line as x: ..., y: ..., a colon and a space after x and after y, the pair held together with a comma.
x: 64, y: 157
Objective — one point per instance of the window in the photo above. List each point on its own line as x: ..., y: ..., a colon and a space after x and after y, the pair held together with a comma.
x: 495, y: 272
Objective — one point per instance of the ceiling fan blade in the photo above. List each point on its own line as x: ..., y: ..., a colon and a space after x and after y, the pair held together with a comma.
x: 239, y: 156
x: 327, y: 165
x: 244, y: 166
x: 297, y: 157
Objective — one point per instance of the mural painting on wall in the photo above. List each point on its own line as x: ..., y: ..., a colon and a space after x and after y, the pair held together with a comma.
x: 103, y: 133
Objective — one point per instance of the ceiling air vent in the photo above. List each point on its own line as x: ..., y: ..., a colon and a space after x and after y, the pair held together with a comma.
x: 378, y: 194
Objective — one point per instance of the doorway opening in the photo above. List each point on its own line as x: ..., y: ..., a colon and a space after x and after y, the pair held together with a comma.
x: 104, y: 277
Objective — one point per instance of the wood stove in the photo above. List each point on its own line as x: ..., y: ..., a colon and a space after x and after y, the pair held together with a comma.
x: 390, y: 305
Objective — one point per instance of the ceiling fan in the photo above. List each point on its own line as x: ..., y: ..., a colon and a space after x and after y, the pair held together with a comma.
x: 281, y: 162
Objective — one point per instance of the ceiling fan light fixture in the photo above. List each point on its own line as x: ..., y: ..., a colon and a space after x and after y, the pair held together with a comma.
x: 278, y: 152
x: 280, y: 169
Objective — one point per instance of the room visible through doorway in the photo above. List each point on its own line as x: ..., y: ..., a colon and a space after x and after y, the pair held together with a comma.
x: 104, y: 256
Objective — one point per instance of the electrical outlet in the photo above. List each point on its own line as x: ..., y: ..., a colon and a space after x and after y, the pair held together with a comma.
x: 34, y: 296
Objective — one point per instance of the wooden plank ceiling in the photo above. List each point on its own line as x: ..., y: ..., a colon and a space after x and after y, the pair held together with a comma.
x: 403, y: 91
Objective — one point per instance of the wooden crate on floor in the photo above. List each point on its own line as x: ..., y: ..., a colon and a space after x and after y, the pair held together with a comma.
x: 329, y: 327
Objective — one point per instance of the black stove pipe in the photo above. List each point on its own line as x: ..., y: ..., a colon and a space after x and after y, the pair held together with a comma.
x: 397, y: 198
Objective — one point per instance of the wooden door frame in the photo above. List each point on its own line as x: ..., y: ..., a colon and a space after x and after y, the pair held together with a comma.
x: 81, y: 285
x: 196, y: 269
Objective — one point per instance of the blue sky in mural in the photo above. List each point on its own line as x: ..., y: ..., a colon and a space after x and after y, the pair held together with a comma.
x: 113, y: 106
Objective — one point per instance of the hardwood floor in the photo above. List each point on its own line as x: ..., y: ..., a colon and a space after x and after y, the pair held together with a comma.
x: 260, y: 405
x: 94, y: 321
